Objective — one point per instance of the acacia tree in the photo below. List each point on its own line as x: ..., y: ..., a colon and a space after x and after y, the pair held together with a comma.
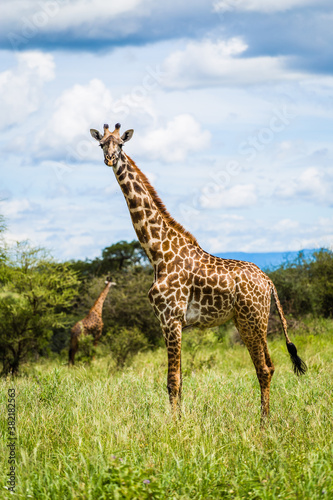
x: 120, y: 256
x: 35, y: 292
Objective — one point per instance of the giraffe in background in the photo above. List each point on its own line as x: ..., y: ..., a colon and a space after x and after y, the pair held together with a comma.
x: 92, y: 324
x: 192, y: 287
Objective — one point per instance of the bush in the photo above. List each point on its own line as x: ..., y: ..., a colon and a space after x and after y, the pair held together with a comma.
x: 124, y: 344
x: 305, y: 286
x: 87, y: 350
x: 194, y: 342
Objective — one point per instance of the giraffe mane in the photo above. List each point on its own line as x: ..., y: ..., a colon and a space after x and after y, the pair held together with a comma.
x: 160, y: 205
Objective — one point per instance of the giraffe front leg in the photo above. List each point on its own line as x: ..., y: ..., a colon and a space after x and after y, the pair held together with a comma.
x: 74, y: 345
x: 172, y: 335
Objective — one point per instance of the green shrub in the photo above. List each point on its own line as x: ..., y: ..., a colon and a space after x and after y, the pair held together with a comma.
x: 125, y: 343
x: 305, y: 286
x: 87, y: 350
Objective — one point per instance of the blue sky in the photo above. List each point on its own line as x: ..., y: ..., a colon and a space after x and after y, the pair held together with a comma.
x: 231, y: 102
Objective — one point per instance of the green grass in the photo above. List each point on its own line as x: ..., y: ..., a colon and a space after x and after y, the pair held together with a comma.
x: 90, y: 433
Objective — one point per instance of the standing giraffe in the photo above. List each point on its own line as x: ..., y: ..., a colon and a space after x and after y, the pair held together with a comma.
x: 92, y: 324
x: 192, y: 287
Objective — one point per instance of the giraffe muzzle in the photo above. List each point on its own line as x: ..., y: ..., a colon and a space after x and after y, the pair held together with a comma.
x: 113, y: 160
x: 108, y: 161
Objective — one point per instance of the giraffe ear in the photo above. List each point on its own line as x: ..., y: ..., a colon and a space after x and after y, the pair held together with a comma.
x: 127, y: 135
x: 95, y: 134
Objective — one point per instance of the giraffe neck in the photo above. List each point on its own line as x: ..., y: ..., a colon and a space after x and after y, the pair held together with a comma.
x: 98, y: 305
x: 156, y: 230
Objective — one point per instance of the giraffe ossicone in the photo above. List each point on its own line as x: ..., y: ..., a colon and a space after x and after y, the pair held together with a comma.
x: 192, y: 287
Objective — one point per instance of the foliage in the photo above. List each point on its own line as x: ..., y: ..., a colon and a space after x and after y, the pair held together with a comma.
x: 121, y: 255
x: 305, y: 286
x: 128, y: 305
x: 321, y: 283
x: 34, y: 292
x: 87, y: 350
x: 125, y: 343
x: 196, y: 341
x: 117, y: 257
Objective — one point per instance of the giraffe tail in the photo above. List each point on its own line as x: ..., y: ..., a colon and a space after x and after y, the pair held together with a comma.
x: 298, y: 365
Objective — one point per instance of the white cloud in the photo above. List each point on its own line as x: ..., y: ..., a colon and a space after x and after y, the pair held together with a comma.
x: 76, y: 111
x: 21, y: 87
x: 286, y: 225
x: 253, y: 235
x: 172, y: 143
x: 18, y: 207
x: 210, y: 63
x: 215, y: 196
x: 260, y: 5
x: 311, y: 184
x: 80, y: 108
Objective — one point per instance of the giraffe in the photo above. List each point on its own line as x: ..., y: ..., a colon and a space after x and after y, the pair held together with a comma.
x: 92, y: 324
x: 192, y: 287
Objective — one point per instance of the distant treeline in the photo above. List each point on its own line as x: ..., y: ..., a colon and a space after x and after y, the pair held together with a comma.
x: 40, y: 299
x: 305, y: 286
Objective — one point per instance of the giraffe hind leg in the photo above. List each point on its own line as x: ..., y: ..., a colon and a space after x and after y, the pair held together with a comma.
x: 264, y: 369
x: 256, y: 343
x: 72, y: 351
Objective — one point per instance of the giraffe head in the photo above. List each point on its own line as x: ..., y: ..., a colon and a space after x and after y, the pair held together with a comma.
x: 111, y: 142
x: 108, y: 280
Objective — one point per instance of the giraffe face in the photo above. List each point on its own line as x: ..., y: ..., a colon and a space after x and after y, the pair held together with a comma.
x: 108, y: 280
x: 111, y: 143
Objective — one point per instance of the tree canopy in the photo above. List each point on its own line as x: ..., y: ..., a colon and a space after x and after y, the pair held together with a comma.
x: 35, y: 293
x: 305, y: 286
x: 119, y: 256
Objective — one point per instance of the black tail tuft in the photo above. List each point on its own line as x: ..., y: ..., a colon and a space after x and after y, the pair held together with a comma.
x: 298, y: 365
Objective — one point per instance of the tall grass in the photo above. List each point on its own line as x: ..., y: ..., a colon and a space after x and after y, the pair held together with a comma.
x: 91, y: 433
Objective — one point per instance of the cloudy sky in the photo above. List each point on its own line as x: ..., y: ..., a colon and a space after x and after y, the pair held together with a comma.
x: 231, y: 102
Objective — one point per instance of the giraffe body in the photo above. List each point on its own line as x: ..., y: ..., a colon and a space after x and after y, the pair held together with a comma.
x: 91, y: 324
x: 192, y: 287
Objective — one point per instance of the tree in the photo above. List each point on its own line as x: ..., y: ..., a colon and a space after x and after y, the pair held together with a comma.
x: 35, y: 292
x: 122, y: 255
x: 320, y: 272
x: 117, y: 257
x: 305, y: 286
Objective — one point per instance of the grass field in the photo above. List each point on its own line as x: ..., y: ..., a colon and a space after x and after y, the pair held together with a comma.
x: 92, y: 433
